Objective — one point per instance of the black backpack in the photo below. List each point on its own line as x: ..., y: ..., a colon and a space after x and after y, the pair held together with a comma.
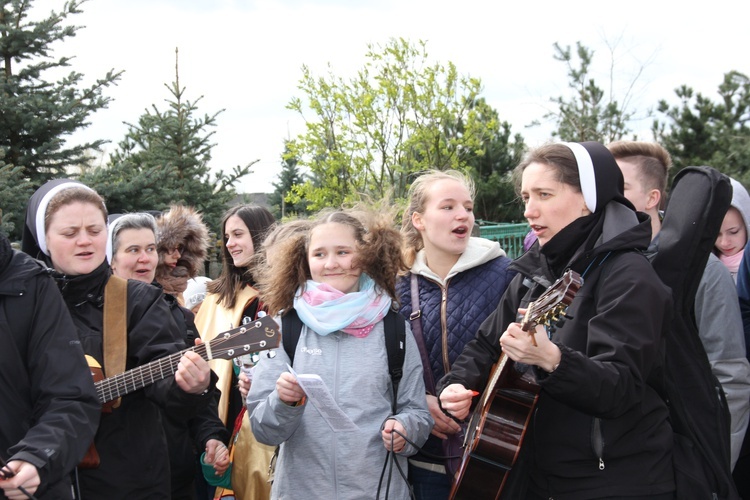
x: 395, y: 343
x: 699, y: 199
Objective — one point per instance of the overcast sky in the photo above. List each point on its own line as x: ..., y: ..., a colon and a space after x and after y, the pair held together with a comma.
x: 245, y: 56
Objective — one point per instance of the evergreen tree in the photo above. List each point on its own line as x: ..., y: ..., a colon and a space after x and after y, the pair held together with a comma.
x: 491, y: 165
x: 14, y: 191
x: 37, y: 114
x: 700, y: 131
x: 280, y: 199
x: 589, y: 114
x: 164, y: 159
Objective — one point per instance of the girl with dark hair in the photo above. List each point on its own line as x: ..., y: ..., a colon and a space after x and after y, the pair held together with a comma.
x: 244, y: 228
x: 600, y: 428
x: 232, y: 300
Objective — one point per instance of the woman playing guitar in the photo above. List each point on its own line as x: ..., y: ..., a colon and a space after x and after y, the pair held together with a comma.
x: 599, y: 428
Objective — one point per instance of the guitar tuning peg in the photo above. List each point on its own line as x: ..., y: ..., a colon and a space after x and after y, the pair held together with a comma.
x: 271, y: 354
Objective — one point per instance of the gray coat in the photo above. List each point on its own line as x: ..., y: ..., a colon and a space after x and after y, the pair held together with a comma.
x: 315, y: 461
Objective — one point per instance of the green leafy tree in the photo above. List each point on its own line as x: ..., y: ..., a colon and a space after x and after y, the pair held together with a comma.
x: 370, y: 134
x: 280, y: 199
x: 164, y: 159
x: 37, y: 111
x: 700, y: 131
x: 491, y: 166
x: 589, y: 113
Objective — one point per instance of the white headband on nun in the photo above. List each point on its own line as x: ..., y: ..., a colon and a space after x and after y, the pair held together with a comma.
x: 110, y: 238
x: 585, y: 172
x: 41, y: 211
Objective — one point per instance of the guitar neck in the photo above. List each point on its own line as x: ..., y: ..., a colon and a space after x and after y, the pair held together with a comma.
x: 144, y: 375
x: 259, y: 335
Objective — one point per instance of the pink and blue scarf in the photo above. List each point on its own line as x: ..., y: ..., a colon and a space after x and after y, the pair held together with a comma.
x: 325, y: 309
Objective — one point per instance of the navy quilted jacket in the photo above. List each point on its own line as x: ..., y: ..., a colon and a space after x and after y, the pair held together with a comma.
x: 470, y: 296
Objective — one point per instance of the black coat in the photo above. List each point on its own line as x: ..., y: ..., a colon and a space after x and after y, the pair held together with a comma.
x: 130, y: 440
x: 612, y: 357
x: 48, y: 406
x: 186, y: 438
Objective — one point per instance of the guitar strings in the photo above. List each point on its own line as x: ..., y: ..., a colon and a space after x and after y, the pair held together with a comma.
x: 138, y: 377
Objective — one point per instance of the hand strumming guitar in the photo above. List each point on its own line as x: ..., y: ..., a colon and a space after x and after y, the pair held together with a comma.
x: 444, y: 425
x: 456, y: 400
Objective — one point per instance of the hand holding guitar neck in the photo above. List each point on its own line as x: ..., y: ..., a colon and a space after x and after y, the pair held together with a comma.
x: 193, y: 373
x: 523, y: 347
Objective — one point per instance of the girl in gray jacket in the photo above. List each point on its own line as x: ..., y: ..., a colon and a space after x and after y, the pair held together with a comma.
x: 339, y: 275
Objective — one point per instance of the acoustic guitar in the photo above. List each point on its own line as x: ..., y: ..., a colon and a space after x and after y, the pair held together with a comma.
x: 260, y: 335
x: 498, y: 424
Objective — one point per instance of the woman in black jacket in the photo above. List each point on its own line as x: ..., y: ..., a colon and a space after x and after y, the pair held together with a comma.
x: 66, y: 227
x: 600, y: 428
x: 136, y: 255
x: 49, y: 409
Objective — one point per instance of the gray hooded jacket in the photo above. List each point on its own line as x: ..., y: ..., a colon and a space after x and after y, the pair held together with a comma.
x: 313, y: 460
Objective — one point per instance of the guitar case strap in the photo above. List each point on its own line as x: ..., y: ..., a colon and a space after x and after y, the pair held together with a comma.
x: 115, y: 331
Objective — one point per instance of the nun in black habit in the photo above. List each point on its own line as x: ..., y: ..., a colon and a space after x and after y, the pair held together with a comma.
x: 66, y: 228
x: 600, y: 428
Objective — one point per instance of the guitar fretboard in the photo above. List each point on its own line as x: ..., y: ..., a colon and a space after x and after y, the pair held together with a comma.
x: 144, y: 375
x: 259, y: 335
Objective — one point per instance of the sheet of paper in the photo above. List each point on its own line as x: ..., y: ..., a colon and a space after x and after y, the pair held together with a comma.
x: 318, y: 394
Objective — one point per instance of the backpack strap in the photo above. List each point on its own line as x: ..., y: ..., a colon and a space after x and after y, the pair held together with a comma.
x: 115, y: 331
x: 291, y: 328
x: 395, y: 343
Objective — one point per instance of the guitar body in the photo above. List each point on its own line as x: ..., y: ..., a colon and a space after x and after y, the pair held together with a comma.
x: 495, y: 432
x: 91, y: 459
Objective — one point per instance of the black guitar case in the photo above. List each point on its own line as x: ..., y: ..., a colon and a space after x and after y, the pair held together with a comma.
x: 699, y: 199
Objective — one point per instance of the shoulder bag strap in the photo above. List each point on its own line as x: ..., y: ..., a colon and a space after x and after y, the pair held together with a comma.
x: 115, y: 334
x: 415, y: 318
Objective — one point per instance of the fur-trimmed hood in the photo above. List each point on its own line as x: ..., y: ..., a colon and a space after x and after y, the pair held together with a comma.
x: 182, y: 226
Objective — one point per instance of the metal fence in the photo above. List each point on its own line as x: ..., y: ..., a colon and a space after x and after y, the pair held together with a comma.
x: 510, y: 236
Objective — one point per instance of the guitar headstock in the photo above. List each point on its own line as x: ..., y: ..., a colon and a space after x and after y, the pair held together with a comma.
x: 553, y: 302
x: 258, y: 335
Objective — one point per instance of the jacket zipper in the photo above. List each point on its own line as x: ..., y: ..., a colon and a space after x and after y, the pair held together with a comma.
x: 444, y: 327
x: 597, y: 441
x: 335, y: 397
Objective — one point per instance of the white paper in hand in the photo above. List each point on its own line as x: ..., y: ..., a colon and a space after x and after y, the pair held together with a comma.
x: 318, y: 394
